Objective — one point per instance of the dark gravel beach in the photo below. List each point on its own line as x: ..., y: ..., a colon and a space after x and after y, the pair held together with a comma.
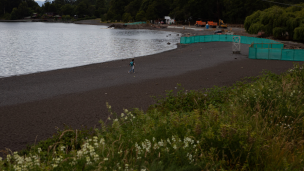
x: 33, y: 105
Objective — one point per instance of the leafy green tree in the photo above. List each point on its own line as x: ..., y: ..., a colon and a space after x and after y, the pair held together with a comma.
x: 145, y: 5
x: 53, y: 8
x: 110, y: 15
x: 32, y: 4
x: 23, y: 10
x: 141, y: 16
x: 127, y: 17
x: 3, y: 4
x: 60, y: 2
x: 277, y: 21
x: 100, y: 11
x: 100, y: 3
x: 67, y: 9
x: 117, y: 17
x: 82, y: 9
x: 151, y: 12
x: 91, y: 10
x: 15, y: 14
x: 133, y: 7
x: 103, y: 17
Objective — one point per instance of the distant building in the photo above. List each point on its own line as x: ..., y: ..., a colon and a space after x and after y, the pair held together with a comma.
x: 35, y: 15
x: 49, y: 14
x: 169, y: 20
x: 57, y: 16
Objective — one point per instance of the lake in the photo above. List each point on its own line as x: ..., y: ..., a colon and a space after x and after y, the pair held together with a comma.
x: 36, y: 47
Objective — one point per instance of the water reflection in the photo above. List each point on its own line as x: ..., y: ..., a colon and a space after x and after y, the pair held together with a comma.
x: 35, y: 47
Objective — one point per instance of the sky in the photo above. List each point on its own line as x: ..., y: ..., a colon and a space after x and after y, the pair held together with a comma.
x: 40, y: 2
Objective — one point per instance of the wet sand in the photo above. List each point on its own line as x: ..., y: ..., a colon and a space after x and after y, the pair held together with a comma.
x: 33, y: 105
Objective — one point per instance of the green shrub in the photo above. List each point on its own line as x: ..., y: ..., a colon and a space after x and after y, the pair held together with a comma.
x: 279, y: 32
x: 252, y: 19
x: 7, y: 16
x: 299, y: 33
x: 255, y: 28
x: 276, y: 21
x: 127, y: 17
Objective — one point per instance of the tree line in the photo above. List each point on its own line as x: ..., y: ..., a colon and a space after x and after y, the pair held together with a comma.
x: 278, y: 22
x: 231, y: 11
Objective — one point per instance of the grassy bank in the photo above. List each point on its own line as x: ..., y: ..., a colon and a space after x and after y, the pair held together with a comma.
x: 256, y: 124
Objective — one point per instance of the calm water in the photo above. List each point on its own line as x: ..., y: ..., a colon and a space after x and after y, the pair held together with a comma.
x: 34, y: 47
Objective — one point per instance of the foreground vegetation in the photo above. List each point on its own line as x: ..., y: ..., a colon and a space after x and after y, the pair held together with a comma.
x: 279, y: 22
x: 256, y: 124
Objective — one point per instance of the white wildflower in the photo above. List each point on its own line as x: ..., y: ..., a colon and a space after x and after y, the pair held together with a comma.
x: 102, y: 141
x: 8, y: 158
x: 161, y: 143
x: 155, y: 146
x: 39, y: 150
x: 105, y: 159
x: 122, y: 114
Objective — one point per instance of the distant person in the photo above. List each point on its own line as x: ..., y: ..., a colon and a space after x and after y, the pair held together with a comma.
x: 132, y: 64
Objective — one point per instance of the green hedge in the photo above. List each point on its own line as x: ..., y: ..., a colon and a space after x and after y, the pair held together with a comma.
x: 277, y: 21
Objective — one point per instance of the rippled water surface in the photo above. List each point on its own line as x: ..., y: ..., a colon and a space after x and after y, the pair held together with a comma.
x: 35, y: 47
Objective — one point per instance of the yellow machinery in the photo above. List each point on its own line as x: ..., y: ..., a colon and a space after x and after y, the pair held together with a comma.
x: 222, y: 24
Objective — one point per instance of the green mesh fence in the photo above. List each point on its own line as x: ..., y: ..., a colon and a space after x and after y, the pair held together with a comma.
x: 259, y: 49
x: 136, y: 23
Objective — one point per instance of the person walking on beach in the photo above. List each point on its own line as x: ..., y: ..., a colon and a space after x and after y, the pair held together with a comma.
x: 132, y: 64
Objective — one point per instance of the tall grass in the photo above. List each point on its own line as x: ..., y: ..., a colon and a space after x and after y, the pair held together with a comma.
x: 257, y: 124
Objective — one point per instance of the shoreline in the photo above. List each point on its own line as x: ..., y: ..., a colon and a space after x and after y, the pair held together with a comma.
x: 33, y: 105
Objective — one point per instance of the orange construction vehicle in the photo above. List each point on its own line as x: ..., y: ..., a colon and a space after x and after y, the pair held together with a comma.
x: 200, y: 24
x: 222, y: 24
x: 212, y: 24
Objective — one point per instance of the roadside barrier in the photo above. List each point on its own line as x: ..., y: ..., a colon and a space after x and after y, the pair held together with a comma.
x: 260, y: 48
x: 136, y: 23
